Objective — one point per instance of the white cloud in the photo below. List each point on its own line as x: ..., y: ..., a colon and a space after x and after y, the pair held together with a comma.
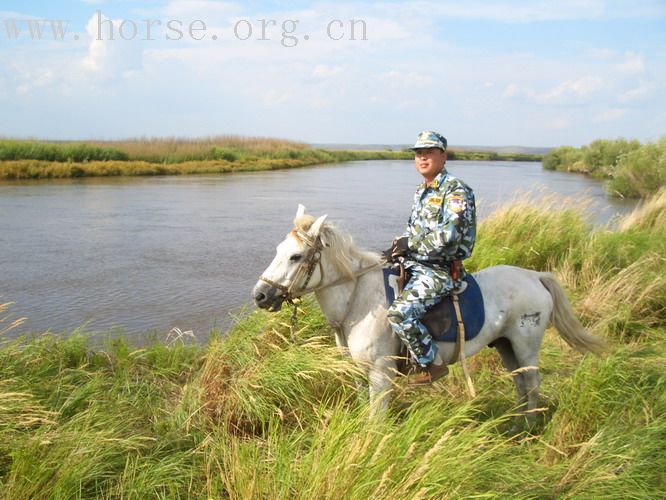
x: 10, y: 14
x: 409, y: 104
x: 610, y: 115
x: 407, y: 79
x: 34, y: 80
x: 187, y: 10
x: 510, y: 91
x: 326, y: 71
x: 632, y: 64
x: 559, y: 123
x: 526, y: 12
x: 602, y: 54
x: 380, y: 29
x: 109, y: 55
x: 273, y: 96
x: 645, y: 89
x: 578, y: 88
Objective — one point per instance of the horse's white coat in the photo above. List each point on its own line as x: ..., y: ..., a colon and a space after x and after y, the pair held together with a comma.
x: 518, y: 306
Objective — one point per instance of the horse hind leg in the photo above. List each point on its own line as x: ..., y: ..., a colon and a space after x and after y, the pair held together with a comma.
x: 528, y: 366
x: 523, y: 362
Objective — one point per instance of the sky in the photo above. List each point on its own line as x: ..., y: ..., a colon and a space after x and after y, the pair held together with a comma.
x: 496, y: 73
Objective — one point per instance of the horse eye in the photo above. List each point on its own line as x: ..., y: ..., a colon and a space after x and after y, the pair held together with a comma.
x: 295, y: 258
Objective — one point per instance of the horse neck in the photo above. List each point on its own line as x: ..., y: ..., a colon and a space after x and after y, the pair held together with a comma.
x: 336, y: 301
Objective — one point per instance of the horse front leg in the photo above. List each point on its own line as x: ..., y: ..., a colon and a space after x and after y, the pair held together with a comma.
x: 341, y: 339
x: 380, y: 381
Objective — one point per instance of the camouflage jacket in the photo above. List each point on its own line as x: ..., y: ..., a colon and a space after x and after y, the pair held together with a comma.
x: 442, y: 225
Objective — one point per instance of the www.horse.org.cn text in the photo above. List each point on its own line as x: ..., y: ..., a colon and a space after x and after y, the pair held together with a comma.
x: 287, y: 32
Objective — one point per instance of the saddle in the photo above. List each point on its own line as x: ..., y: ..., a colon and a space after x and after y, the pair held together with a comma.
x: 441, y: 320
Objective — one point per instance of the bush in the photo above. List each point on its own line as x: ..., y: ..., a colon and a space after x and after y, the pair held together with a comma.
x: 641, y: 172
x: 562, y: 158
x: 633, y: 170
x: 602, y: 156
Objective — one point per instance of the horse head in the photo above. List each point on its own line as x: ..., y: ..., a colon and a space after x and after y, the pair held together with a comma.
x: 296, y: 265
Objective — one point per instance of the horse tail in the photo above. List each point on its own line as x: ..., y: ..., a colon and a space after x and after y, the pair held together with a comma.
x: 566, y: 322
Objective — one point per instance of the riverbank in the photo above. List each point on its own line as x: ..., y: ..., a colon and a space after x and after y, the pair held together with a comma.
x: 253, y: 415
x: 632, y: 169
x: 23, y: 159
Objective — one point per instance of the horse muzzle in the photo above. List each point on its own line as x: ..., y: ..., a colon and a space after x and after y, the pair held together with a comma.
x: 268, y: 297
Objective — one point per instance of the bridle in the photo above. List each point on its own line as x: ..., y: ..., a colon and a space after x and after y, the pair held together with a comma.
x: 306, y: 268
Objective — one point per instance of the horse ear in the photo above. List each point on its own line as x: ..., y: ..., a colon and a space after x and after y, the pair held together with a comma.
x: 300, y: 212
x: 315, y: 229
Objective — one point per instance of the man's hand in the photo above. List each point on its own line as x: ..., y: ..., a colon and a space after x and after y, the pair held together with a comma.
x: 399, y: 248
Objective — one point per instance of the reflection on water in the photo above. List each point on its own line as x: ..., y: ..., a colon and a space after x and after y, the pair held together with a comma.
x: 149, y: 254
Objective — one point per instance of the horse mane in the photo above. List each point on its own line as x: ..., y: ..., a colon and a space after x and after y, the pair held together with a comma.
x: 342, y: 249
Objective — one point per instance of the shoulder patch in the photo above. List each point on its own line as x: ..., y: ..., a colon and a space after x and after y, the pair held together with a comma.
x: 456, y: 203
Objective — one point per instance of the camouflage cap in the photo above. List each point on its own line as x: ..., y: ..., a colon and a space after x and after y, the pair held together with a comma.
x: 430, y: 139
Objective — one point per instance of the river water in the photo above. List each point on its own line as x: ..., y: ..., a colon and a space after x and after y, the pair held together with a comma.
x: 143, y: 255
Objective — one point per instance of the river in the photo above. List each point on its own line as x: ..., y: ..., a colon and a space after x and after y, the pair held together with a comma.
x: 136, y: 256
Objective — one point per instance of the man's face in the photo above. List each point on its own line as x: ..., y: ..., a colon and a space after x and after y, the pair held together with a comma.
x: 429, y: 162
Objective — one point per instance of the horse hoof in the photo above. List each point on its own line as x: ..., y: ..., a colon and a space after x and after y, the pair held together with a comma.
x: 515, y: 430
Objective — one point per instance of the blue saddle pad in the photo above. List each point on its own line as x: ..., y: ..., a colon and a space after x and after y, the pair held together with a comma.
x: 391, y: 287
x: 471, y: 307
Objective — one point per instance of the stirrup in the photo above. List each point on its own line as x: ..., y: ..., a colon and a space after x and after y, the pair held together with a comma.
x: 426, y: 376
x: 462, y: 286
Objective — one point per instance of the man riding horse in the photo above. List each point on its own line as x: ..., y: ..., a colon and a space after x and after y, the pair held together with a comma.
x: 439, y: 235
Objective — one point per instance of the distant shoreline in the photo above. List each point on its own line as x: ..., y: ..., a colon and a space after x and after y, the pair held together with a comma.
x: 460, y: 148
x: 27, y: 159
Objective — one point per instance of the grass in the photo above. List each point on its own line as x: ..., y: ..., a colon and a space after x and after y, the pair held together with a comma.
x: 153, y: 150
x: 30, y: 159
x: 255, y: 415
x: 39, y: 169
x: 167, y: 156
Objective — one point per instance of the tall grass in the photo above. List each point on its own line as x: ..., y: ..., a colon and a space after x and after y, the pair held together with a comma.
x: 454, y: 154
x: 254, y: 414
x: 236, y: 162
x: 178, y: 149
x: 81, y: 422
x: 172, y: 153
x: 29, y: 159
x: 529, y: 233
x: 619, y: 275
x: 153, y: 150
x: 36, y: 169
x: 63, y: 152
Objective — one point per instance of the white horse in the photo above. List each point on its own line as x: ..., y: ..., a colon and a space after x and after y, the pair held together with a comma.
x: 348, y: 284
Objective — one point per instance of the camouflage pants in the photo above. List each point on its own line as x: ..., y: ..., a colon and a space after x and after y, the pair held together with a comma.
x: 425, y: 289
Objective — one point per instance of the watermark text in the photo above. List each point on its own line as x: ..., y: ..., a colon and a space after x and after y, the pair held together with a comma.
x: 288, y: 32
